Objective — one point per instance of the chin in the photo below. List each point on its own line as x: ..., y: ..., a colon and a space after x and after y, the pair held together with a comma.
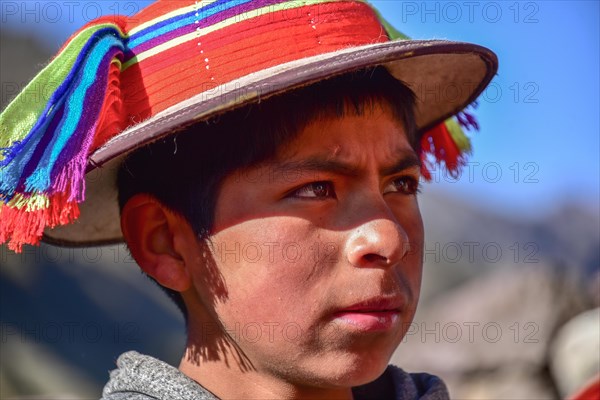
x: 367, y: 371
x: 358, y: 365
x: 353, y: 370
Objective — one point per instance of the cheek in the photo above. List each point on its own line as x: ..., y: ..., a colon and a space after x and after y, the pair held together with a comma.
x: 416, y: 237
x: 409, y: 217
x: 268, y: 268
x: 415, y: 232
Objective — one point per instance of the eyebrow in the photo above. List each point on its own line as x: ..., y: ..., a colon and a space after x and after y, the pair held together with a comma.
x: 318, y: 163
x: 408, y: 160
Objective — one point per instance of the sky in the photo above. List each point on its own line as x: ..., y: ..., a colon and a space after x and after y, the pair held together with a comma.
x: 538, y: 147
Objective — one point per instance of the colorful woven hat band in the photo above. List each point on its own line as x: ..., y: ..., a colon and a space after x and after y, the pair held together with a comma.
x: 117, y: 71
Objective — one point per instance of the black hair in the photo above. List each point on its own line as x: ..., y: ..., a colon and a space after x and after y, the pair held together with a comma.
x: 184, y: 170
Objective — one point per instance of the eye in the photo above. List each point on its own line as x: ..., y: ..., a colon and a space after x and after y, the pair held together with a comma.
x: 315, y: 190
x: 407, y: 185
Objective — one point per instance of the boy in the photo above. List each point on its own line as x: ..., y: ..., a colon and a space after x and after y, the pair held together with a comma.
x: 287, y: 230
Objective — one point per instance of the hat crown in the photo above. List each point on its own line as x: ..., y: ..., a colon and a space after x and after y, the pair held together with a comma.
x: 176, y: 50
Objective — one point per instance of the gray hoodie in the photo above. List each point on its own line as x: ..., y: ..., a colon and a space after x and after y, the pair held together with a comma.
x: 141, y: 377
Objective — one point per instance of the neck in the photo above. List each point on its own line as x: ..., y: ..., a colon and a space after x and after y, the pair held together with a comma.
x: 214, y: 361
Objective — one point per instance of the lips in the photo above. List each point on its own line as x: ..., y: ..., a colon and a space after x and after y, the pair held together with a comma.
x: 374, y: 314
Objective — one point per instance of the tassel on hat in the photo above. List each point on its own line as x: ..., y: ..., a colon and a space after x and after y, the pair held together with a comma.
x: 446, y: 142
x: 45, y: 142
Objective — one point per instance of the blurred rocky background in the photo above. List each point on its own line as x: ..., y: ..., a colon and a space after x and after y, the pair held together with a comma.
x: 497, y: 295
x: 508, y: 310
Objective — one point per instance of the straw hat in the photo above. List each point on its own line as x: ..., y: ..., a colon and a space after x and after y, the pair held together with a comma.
x: 121, y: 82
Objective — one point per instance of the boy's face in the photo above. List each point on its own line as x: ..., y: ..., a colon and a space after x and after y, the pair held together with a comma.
x: 319, y: 253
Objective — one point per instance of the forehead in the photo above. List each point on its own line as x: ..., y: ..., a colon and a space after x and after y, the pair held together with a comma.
x: 374, y: 131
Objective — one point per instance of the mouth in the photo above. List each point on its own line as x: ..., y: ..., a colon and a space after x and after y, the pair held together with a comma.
x: 373, y: 315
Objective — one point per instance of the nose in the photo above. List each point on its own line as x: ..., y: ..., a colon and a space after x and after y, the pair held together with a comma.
x: 378, y: 242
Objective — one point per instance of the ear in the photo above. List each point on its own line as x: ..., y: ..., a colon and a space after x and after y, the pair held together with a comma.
x: 158, y: 240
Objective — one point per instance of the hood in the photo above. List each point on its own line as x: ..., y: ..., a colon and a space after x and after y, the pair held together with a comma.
x: 147, y: 377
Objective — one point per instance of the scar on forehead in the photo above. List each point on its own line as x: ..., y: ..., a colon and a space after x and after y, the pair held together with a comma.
x: 335, y: 151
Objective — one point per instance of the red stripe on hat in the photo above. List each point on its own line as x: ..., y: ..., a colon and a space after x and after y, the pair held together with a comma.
x: 249, y: 46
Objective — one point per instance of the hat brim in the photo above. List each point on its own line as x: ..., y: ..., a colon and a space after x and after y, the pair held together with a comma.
x: 446, y: 77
